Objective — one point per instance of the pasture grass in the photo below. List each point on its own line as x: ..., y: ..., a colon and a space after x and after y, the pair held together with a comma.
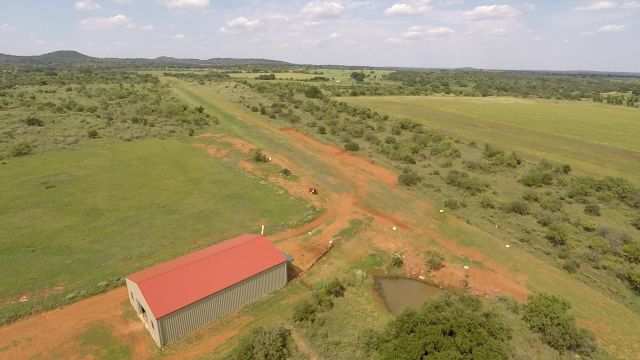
x: 75, y: 222
x: 594, y: 138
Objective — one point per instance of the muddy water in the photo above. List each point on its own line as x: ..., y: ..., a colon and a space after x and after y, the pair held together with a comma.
x: 399, y: 293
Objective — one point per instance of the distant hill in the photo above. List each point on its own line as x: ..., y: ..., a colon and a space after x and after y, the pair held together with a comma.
x: 74, y: 58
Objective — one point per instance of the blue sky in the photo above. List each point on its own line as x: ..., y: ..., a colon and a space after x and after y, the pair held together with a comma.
x: 553, y: 35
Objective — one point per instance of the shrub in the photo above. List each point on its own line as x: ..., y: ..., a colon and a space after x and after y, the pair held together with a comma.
x: 540, y: 175
x: 434, y: 260
x: 571, y: 266
x: 305, y: 311
x: 274, y: 343
x: 487, y: 203
x: 285, y: 172
x: 313, y: 92
x: 267, y: 77
x: 589, y: 226
x: 94, y: 133
x: 351, y: 146
x: 551, y: 204
x: 259, y: 156
x: 462, y: 180
x: 453, y: 204
x: 330, y: 288
x: 33, y: 121
x: 518, y: 207
x: 396, y: 261
x: 322, y: 130
x: 557, y: 234
x: 409, y: 178
x: 636, y: 223
x: 21, y: 149
x: 548, y: 315
x: 632, y: 251
x: 633, y: 278
x: 592, y: 209
x: 545, y: 218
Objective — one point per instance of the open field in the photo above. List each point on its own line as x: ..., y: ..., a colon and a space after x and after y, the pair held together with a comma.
x: 74, y: 222
x: 594, y: 138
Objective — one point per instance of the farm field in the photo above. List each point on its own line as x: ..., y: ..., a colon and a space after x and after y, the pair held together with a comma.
x: 75, y: 221
x: 594, y: 138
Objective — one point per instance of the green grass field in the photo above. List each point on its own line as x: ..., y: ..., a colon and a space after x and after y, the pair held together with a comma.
x: 73, y: 222
x: 594, y: 138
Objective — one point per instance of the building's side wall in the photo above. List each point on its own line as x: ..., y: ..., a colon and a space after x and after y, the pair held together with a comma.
x: 135, y: 296
x: 198, y: 314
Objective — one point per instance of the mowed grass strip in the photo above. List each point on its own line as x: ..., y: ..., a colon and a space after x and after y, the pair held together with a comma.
x: 594, y: 138
x: 75, y: 221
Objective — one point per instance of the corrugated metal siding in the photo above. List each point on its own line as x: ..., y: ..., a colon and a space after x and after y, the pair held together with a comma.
x: 134, y: 294
x: 198, y: 314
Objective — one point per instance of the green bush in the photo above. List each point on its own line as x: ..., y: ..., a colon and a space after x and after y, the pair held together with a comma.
x: 273, y: 343
x: 351, y: 146
x: 592, y: 209
x: 258, y: 156
x: 518, y: 207
x: 313, y: 92
x: 557, y: 234
x: 92, y: 134
x: 571, y: 266
x: 434, y: 260
x: 487, y: 202
x: 548, y: 315
x: 454, y: 204
x: 447, y: 327
x: 636, y: 223
x: 589, y: 226
x: 632, y: 251
x: 409, y: 178
x: 305, y: 311
x: 462, y: 180
x: 21, y: 149
x: 33, y: 121
x: 633, y: 278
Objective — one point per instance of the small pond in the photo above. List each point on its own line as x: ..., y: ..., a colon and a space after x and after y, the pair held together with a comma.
x: 399, y: 293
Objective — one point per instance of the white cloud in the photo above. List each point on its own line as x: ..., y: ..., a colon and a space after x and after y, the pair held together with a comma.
x: 86, y: 5
x: 419, y: 32
x: 631, y: 5
x: 310, y: 23
x: 322, y: 10
x: 612, y: 28
x: 177, y: 37
x: 109, y: 23
x: 185, y: 4
x: 598, y: 5
x: 334, y: 35
x: 609, y: 5
x: 414, y: 8
x: 6, y: 27
x: 491, y: 12
x: 240, y: 23
x: 498, y: 32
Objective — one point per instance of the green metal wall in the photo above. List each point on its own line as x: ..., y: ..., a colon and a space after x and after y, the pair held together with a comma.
x: 203, y: 312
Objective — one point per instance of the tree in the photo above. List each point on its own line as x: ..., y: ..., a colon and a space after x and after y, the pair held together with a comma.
x: 313, y: 92
x: 448, y: 327
x: 592, y: 209
x: 409, y: 178
x: 358, y: 76
x: 548, y: 315
x: 351, y: 146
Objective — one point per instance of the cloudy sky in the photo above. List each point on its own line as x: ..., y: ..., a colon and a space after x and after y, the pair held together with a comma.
x: 549, y: 34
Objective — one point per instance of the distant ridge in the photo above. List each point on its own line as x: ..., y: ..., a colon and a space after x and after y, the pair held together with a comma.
x: 74, y: 58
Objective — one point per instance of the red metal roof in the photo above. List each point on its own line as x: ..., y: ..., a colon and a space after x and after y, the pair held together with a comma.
x: 177, y: 283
